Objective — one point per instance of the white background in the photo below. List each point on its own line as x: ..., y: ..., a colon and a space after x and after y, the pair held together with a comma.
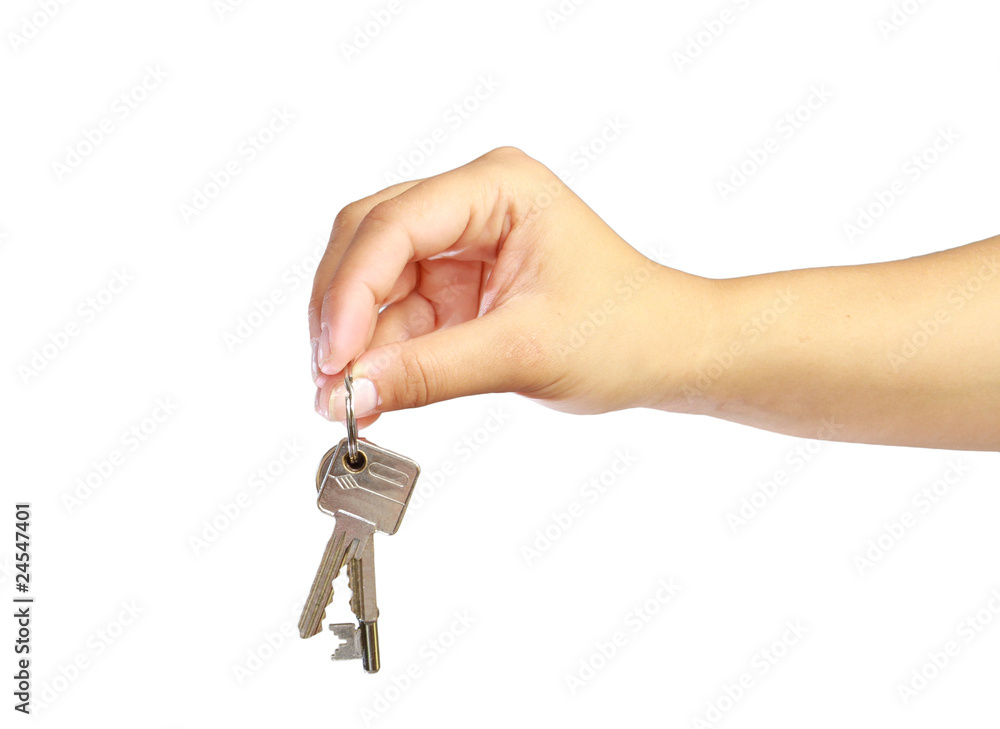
x: 198, y: 654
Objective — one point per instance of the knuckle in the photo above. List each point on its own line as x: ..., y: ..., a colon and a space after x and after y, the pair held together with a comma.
x: 507, y: 154
x: 383, y: 212
x: 348, y: 217
x: 519, y: 179
x: 381, y: 221
x: 329, y: 298
x: 417, y: 382
x: 512, y: 158
x: 381, y: 218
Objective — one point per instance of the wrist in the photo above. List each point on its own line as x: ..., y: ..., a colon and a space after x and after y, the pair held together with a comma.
x: 691, y: 331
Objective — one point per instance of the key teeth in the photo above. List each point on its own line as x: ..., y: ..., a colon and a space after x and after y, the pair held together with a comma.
x: 344, y: 631
x: 350, y: 648
x: 303, y: 625
x: 351, y: 587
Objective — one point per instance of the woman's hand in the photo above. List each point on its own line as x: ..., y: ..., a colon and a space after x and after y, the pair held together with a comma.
x: 495, y: 277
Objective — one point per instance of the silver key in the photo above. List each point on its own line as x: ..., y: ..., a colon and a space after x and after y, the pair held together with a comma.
x: 361, y: 641
x: 364, y: 496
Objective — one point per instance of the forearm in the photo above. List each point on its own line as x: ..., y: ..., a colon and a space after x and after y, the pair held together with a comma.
x: 901, y: 353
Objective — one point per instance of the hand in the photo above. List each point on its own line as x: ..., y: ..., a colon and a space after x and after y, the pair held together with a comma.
x: 495, y: 277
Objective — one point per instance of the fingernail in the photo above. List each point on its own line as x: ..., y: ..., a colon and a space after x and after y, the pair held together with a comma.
x: 315, y: 358
x: 365, y: 400
x: 323, y: 353
x: 331, y: 353
x: 319, y: 379
x: 321, y: 404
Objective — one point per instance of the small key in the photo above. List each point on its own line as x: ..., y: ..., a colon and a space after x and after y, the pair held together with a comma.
x: 361, y: 641
x: 364, y: 496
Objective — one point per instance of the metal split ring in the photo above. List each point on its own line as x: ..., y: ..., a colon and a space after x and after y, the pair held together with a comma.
x: 352, y: 422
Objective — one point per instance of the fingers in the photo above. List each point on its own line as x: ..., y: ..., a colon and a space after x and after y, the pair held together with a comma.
x: 411, y: 317
x: 447, y: 294
x: 483, y: 355
x: 344, y: 228
x: 461, y: 212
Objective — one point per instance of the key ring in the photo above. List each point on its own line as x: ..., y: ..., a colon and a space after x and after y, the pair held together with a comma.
x: 352, y: 423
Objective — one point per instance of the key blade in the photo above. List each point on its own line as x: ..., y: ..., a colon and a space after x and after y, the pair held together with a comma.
x: 321, y: 592
x: 361, y: 579
x: 350, y: 536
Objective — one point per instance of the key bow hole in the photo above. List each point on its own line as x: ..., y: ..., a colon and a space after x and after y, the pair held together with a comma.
x: 358, y: 464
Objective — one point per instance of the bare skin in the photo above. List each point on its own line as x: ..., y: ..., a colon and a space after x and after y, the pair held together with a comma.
x: 495, y: 277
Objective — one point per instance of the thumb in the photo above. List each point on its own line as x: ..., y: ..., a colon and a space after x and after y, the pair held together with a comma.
x: 478, y: 356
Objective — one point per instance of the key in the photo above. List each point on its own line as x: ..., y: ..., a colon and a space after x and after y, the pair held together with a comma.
x: 361, y: 641
x: 364, y: 496
x: 361, y: 579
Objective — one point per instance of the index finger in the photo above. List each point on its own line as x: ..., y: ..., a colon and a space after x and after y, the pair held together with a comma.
x: 463, y: 212
x: 344, y: 227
